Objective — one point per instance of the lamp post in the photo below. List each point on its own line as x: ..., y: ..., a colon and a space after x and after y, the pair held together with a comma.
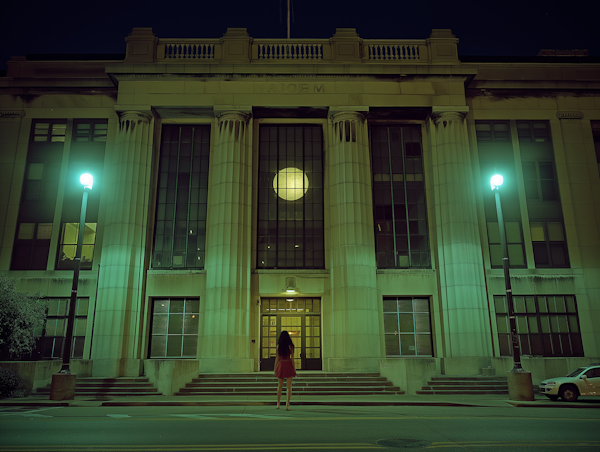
x: 63, y: 383
x: 520, y: 385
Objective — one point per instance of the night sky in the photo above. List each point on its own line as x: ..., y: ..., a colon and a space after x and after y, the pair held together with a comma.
x: 507, y: 28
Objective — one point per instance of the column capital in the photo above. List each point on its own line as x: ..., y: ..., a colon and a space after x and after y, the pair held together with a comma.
x: 439, y: 114
x: 337, y: 114
x: 134, y: 115
x: 233, y: 115
x: 232, y: 112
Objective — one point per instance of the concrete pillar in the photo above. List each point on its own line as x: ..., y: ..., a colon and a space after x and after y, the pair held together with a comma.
x: 463, y: 296
x: 356, y: 342
x: 225, y: 336
x: 576, y: 168
x: 115, y: 348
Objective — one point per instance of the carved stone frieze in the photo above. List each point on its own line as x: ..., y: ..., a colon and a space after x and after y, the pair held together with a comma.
x: 569, y: 114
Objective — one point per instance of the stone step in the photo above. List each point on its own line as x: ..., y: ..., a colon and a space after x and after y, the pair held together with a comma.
x: 272, y: 392
x: 306, y: 383
x: 301, y: 374
x: 294, y: 388
x: 463, y: 391
x: 102, y: 387
x: 114, y: 380
x: 298, y: 378
x: 468, y: 378
x: 435, y: 387
x: 467, y: 383
x: 270, y: 382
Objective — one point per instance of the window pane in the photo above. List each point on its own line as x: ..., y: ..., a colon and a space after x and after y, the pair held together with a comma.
x: 190, y: 345
x: 537, y: 232
x: 392, y: 345
x: 555, y: 232
x: 500, y: 303
x: 502, y: 323
x: 493, y: 232
x: 516, y: 256
x: 174, y: 346
x: 26, y: 231
x: 424, y: 346
x: 540, y: 254
x: 407, y: 345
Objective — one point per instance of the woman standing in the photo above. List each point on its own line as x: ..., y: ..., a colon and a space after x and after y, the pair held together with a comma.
x: 284, y: 366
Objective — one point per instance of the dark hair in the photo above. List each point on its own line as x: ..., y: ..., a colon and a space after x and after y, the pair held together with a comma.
x: 284, y: 343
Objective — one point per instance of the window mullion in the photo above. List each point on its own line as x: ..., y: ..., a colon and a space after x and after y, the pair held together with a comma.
x: 389, y: 142
x: 174, y: 219
x: 189, y: 203
x: 405, y: 196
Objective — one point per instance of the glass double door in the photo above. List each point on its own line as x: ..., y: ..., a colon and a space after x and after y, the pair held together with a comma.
x: 304, y: 329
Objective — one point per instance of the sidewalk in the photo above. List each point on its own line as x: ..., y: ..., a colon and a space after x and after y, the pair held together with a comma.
x: 297, y: 399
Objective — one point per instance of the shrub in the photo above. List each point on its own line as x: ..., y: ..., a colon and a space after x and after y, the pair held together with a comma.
x: 21, y: 314
x: 9, y: 382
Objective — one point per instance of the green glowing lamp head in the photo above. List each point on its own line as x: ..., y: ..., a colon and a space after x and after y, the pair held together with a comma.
x: 87, y: 180
x: 496, y: 181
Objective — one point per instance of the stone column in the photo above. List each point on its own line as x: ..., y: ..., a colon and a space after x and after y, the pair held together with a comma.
x: 225, y: 336
x: 115, y: 348
x: 356, y: 342
x: 576, y: 167
x: 459, y: 259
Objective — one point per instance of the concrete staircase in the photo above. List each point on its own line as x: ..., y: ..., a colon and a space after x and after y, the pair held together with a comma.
x: 465, y: 385
x: 109, y: 387
x: 320, y: 384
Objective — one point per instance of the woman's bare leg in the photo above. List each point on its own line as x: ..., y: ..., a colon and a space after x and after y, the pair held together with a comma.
x: 279, y: 388
x: 288, y: 392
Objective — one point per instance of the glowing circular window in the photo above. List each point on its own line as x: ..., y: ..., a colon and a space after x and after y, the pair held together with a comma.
x: 290, y: 184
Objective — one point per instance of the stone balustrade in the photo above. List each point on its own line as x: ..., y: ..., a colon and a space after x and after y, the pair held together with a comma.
x: 290, y: 50
x: 236, y: 46
x: 395, y: 50
x: 187, y: 49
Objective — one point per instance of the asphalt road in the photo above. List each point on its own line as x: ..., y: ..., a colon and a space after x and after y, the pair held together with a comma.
x: 305, y: 428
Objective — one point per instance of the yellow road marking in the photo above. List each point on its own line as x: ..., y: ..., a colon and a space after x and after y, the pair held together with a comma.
x: 448, y: 444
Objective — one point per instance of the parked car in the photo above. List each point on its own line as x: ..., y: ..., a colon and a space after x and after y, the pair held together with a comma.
x: 584, y: 381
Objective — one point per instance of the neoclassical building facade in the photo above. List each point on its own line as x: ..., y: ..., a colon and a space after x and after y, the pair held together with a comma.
x: 334, y: 188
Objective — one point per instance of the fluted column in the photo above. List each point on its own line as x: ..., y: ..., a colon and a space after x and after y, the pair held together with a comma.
x: 355, y: 320
x: 225, y: 336
x: 460, y: 262
x: 115, y: 349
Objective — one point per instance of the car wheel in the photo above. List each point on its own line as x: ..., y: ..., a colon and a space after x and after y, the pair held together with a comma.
x: 568, y: 393
x: 554, y: 398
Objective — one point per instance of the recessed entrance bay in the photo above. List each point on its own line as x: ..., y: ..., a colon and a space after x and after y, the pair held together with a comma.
x: 301, y: 317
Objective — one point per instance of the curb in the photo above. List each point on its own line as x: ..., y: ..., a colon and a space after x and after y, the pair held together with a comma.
x: 546, y: 405
x: 295, y: 403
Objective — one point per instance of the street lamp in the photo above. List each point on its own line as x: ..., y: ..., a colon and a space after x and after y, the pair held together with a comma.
x: 63, y: 383
x: 520, y: 386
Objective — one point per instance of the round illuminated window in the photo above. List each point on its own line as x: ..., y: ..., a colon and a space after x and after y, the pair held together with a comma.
x: 290, y: 184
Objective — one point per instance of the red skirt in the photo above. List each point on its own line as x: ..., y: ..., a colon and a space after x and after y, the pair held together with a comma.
x: 285, y: 369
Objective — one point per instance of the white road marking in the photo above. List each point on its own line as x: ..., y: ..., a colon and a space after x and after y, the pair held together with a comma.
x: 260, y: 416
x: 194, y: 416
x: 118, y: 416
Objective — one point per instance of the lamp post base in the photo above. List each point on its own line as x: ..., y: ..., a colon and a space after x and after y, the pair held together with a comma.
x: 63, y: 386
x: 520, y: 386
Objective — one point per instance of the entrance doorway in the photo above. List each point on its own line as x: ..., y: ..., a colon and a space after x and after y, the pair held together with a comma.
x: 301, y: 317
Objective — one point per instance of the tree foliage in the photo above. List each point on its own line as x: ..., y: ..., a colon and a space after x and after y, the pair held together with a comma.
x: 21, y: 314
